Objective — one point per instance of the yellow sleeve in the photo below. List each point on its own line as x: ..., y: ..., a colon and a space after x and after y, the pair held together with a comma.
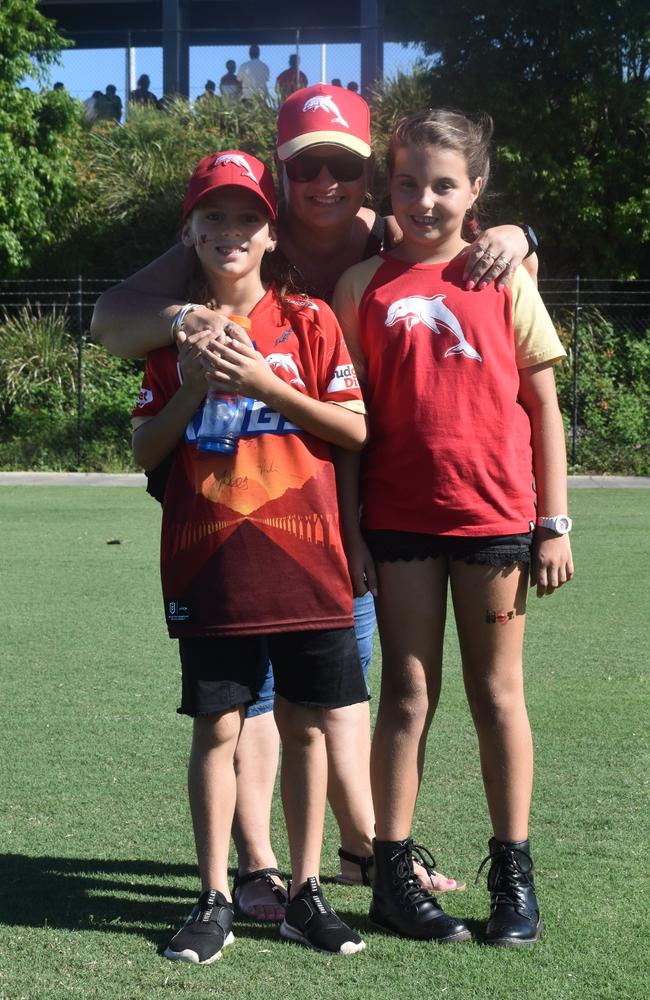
x: 345, y: 302
x: 536, y: 339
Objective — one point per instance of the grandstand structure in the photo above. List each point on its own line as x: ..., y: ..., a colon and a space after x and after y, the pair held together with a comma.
x: 175, y: 25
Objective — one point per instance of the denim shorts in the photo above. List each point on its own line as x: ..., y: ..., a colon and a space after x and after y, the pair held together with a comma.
x: 364, y: 629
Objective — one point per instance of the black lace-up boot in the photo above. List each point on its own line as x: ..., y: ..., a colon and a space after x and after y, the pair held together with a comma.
x: 400, y: 904
x: 514, y: 914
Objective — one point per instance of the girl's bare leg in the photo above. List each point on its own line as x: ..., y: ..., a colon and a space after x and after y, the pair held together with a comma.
x: 304, y: 785
x: 411, y: 615
x: 212, y: 792
x: 347, y: 734
x: 256, y: 765
x: 490, y: 609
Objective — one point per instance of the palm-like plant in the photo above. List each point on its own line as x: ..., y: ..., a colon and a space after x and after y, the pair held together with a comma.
x: 37, y: 352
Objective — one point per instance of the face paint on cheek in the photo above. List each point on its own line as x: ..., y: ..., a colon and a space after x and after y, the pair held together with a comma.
x: 498, y: 617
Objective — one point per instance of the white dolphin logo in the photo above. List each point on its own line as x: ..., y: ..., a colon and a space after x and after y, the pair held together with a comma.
x: 286, y: 364
x: 325, y: 103
x: 239, y: 161
x: 419, y: 309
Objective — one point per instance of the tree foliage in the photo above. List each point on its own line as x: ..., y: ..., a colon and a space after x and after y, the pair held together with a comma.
x: 38, y: 178
x: 133, y: 178
x: 568, y: 87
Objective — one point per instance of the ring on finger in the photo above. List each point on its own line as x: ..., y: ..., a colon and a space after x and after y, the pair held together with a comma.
x: 503, y: 263
x: 488, y: 255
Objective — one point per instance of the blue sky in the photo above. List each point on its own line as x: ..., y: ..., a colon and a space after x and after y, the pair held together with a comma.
x: 82, y: 71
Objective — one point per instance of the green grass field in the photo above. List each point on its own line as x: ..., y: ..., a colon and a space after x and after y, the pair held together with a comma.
x: 97, y: 855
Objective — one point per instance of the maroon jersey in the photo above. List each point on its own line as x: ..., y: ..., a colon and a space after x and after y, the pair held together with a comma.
x: 251, y: 542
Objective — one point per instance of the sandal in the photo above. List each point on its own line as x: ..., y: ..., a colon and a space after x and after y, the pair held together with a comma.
x: 273, y: 897
x: 427, y: 876
x: 365, y: 864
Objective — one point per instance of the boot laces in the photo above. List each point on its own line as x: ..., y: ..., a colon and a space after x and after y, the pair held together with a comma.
x: 410, y: 888
x: 507, y: 880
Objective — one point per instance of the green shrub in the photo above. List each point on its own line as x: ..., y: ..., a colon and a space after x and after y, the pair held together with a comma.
x: 613, y: 393
x: 39, y: 386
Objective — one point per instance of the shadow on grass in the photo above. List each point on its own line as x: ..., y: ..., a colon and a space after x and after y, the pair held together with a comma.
x: 146, y: 898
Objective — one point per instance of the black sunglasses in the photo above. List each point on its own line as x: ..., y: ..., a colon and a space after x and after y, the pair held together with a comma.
x: 342, y: 167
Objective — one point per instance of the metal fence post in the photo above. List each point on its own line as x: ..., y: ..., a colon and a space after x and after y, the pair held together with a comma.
x: 80, y: 370
x: 576, y: 367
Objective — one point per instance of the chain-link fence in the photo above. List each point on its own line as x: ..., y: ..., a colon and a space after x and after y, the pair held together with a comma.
x: 65, y: 403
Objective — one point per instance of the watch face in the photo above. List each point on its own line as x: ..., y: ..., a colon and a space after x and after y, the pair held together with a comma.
x: 563, y: 524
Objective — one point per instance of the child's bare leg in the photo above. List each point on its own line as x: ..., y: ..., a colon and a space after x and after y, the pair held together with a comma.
x: 347, y: 734
x: 490, y: 608
x: 212, y: 791
x: 256, y: 765
x: 304, y: 785
x: 411, y: 614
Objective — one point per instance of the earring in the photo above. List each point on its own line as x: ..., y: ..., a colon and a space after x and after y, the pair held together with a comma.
x: 270, y: 249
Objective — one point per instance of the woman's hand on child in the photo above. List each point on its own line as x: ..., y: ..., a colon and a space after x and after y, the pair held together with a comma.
x: 493, y: 256
x: 201, y: 321
x: 552, y: 564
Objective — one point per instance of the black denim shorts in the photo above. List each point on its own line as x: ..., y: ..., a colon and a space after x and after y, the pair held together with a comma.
x: 317, y: 668
x: 490, y: 550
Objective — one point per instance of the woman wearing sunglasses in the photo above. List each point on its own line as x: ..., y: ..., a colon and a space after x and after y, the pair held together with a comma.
x: 324, y: 162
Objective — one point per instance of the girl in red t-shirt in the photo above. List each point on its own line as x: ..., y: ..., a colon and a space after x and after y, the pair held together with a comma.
x: 463, y: 414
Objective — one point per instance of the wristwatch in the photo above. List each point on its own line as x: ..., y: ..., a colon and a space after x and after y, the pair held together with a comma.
x: 531, y: 238
x: 561, y: 524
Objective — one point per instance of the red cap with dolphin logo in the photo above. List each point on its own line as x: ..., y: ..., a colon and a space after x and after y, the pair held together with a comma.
x: 323, y: 114
x: 232, y: 168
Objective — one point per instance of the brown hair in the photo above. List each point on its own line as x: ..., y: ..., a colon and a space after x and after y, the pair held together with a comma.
x: 450, y: 130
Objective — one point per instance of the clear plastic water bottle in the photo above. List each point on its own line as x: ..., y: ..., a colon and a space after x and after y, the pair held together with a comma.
x: 223, y: 414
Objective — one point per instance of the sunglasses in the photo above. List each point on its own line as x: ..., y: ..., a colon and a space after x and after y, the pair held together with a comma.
x: 342, y: 166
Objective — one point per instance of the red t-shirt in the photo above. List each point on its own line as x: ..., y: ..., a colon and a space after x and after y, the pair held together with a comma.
x: 250, y: 542
x: 449, y: 449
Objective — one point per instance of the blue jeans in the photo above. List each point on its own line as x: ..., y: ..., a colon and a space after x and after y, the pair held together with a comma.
x: 364, y: 629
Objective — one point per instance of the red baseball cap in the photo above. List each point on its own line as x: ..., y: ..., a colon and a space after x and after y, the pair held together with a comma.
x: 232, y: 168
x: 323, y: 114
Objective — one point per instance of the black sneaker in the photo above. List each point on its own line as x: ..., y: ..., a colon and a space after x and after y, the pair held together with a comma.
x: 206, y: 931
x: 310, y: 920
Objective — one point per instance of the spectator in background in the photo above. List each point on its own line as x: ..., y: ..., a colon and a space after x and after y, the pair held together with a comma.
x: 336, y: 82
x: 290, y: 79
x: 95, y: 107
x: 209, y: 92
x: 142, y: 95
x: 354, y: 87
x: 253, y: 75
x: 113, y: 103
x: 229, y: 85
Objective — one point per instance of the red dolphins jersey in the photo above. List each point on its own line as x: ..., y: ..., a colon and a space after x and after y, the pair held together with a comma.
x: 250, y: 542
x: 449, y: 449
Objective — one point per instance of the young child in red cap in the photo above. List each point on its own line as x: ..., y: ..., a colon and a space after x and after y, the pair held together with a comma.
x: 252, y: 562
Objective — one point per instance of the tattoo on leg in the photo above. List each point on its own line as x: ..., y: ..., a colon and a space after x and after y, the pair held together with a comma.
x: 498, y: 617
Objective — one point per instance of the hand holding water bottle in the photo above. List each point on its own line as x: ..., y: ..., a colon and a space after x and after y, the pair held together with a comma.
x: 224, y: 409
